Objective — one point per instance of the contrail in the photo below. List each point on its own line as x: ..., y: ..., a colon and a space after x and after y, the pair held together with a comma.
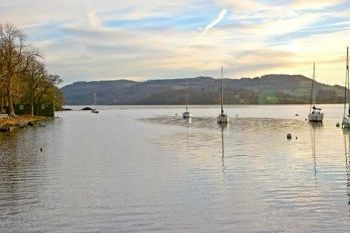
x: 214, y: 22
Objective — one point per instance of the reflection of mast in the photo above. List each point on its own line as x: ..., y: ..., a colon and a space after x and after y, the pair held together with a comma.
x: 313, y: 141
x: 188, y: 122
x: 223, y: 149
x: 315, y: 126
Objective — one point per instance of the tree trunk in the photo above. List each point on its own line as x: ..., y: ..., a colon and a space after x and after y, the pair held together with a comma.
x: 37, y: 109
x: 2, y: 104
x: 32, y: 104
x: 11, y: 108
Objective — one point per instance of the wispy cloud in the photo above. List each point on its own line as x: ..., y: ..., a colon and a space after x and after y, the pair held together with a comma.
x: 213, y: 23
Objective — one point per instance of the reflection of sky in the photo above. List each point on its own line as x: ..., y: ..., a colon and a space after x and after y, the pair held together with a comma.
x: 259, y: 159
x: 166, y: 39
x: 145, y: 168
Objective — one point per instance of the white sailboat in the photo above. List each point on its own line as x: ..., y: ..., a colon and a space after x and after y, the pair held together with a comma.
x: 346, y: 115
x: 186, y: 114
x: 94, y: 110
x: 222, y: 118
x: 315, y: 114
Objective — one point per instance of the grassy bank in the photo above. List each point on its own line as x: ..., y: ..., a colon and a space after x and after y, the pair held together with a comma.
x: 9, y: 124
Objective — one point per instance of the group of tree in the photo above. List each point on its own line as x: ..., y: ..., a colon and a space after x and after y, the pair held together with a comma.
x: 24, y: 78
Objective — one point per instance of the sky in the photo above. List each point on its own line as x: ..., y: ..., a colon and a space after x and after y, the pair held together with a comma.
x: 85, y: 40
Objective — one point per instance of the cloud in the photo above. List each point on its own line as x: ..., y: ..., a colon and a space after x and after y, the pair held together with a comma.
x: 156, y: 40
x: 241, y: 5
x: 94, y: 21
x: 214, y: 22
x: 319, y: 4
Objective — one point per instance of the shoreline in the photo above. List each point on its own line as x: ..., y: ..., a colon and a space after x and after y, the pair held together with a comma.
x: 66, y: 106
x: 20, y: 122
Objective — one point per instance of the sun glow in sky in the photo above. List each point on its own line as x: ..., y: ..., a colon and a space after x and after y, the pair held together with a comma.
x: 86, y: 40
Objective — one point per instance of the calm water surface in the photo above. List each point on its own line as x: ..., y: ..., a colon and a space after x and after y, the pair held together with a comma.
x: 144, y: 169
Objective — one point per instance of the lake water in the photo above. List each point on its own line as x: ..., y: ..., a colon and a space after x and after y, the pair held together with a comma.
x: 144, y: 169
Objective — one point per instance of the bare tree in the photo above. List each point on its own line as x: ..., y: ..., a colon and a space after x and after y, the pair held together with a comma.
x: 50, y: 81
x: 34, y: 77
x: 12, y: 53
x: 23, y: 76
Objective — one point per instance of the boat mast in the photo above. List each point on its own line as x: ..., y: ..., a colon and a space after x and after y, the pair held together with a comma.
x: 186, y: 95
x: 95, y: 99
x: 312, y: 99
x: 222, y: 90
x: 346, y: 90
x: 347, y: 77
x: 345, y: 87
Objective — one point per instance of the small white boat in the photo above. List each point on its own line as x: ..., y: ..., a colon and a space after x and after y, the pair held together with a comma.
x: 186, y: 114
x: 222, y: 118
x: 94, y: 110
x: 346, y: 122
x: 346, y: 115
x: 315, y: 114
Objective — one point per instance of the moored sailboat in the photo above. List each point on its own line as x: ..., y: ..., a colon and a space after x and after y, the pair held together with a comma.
x: 186, y: 114
x: 346, y: 115
x: 315, y: 114
x: 222, y: 118
x: 94, y: 110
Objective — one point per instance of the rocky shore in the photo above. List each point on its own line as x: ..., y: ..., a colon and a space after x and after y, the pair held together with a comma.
x: 10, y: 124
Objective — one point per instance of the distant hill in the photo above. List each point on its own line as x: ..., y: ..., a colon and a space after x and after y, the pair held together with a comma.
x: 268, y: 89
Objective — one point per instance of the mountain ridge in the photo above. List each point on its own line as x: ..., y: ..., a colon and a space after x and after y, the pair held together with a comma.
x: 267, y: 89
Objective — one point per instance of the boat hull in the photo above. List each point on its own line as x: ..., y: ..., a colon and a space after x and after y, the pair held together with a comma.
x: 346, y: 122
x: 315, y: 116
x: 223, y: 119
x: 186, y: 115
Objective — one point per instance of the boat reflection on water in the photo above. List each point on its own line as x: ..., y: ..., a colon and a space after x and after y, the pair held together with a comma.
x: 314, y: 126
x: 223, y: 127
x: 347, y: 161
x: 188, y: 122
